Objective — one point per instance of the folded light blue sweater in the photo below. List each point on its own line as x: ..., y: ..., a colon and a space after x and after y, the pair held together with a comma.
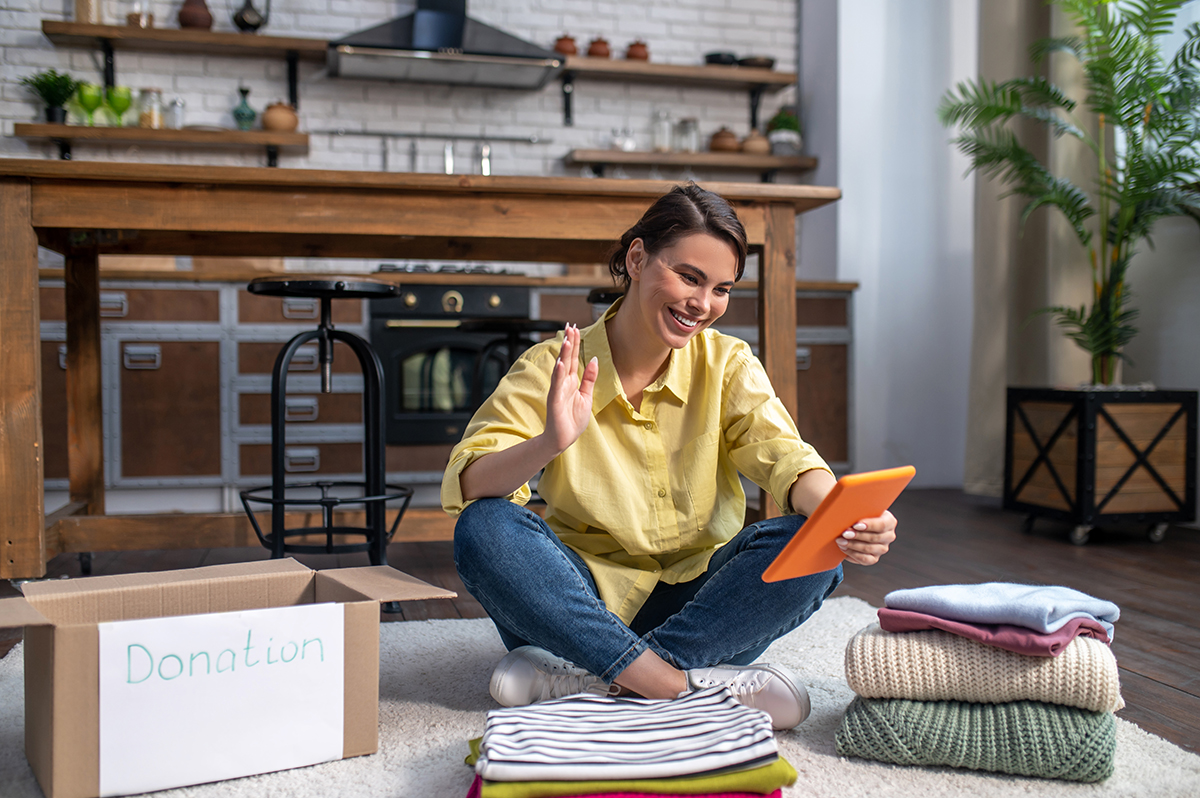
x: 1045, y: 608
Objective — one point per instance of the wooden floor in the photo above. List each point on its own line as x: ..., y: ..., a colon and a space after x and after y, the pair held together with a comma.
x: 945, y: 537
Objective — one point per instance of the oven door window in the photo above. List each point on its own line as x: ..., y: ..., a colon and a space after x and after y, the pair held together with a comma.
x: 447, y: 380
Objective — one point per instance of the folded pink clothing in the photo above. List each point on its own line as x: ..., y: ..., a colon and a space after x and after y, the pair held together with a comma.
x: 477, y: 786
x: 1018, y: 639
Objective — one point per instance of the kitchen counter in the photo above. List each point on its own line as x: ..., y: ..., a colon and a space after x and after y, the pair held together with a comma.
x: 85, y: 209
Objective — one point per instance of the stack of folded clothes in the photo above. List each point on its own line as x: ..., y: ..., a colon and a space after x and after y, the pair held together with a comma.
x: 996, y: 676
x: 703, y: 744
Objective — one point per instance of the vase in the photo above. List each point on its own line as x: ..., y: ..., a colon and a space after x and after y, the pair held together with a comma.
x: 243, y: 114
x: 599, y: 48
x: 195, y: 14
x: 1102, y: 455
x: 249, y: 19
x: 565, y: 45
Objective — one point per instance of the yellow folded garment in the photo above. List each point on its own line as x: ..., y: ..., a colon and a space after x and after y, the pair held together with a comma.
x: 939, y: 666
x: 762, y: 779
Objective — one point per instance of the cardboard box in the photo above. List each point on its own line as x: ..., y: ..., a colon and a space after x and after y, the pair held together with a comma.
x: 70, y: 623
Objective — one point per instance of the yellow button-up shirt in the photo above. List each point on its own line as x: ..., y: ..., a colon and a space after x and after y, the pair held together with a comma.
x: 646, y: 495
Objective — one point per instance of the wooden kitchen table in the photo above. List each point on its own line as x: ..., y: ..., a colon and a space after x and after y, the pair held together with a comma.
x: 85, y: 209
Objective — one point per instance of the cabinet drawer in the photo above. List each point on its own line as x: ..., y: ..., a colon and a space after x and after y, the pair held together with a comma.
x: 323, y: 408
x: 255, y: 309
x: 424, y: 457
x: 170, y: 408
x: 139, y: 304
x: 822, y: 395
x: 54, y: 410
x: 259, y: 358
x: 302, y: 458
x: 810, y: 312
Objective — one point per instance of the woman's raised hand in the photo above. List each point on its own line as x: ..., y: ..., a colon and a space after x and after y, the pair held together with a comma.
x: 569, y: 403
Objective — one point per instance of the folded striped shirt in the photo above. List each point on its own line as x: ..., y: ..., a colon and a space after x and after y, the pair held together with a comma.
x: 601, y: 737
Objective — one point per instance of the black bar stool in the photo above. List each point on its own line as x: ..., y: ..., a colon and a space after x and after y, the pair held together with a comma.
x: 505, y: 349
x: 372, y: 494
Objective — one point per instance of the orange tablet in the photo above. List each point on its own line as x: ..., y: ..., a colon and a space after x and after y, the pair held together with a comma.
x: 814, y: 548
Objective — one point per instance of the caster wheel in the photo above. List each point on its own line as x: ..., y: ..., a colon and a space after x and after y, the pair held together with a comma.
x: 1027, y: 525
x: 392, y: 607
x: 1079, y: 534
x: 1158, y: 532
x: 85, y: 563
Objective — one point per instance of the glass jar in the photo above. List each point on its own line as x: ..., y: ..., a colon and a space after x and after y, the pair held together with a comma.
x: 661, y: 130
x: 138, y: 14
x: 687, y: 135
x: 175, y: 114
x: 150, y: 108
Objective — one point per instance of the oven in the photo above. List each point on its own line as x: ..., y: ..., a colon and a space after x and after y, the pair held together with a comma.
x: 443, y: 349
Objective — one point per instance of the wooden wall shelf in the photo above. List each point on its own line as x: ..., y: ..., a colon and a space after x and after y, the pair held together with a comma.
x: 767, y: 164
x: 176, y: 40
x: 65, y: 135
x: 725, y: 77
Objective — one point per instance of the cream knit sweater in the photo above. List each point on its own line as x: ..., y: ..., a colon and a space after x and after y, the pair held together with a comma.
x: 939, y: 666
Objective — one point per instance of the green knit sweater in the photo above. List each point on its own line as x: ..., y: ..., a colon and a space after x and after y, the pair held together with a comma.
x: 1029, y: 738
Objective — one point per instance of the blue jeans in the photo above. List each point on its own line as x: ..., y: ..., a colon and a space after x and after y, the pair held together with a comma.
x: 539, y: 592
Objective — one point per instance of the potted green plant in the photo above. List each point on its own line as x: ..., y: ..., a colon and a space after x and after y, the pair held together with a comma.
x: 783, y: 131
x: 54, y: 88
x: 1141, y: 126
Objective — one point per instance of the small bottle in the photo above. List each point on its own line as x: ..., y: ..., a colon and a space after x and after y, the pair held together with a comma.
x: 661, y: 129
x: 687, y: 135
x: 150, y: 108
x: 175, y: 114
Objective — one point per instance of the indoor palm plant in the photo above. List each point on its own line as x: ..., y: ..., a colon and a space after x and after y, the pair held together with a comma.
x: 1099, y: 454
x: 1146, y: 121
x: 54, y: 88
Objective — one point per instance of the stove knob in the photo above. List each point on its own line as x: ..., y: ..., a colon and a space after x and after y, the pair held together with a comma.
x: 452, y: 302
x: 410, y: 300
x: 494, y: 301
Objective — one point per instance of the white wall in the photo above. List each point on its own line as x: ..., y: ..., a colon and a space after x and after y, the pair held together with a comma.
x: 905, y: 231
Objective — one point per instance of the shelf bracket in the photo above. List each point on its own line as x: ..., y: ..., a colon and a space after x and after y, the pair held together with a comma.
x: 110, y: 69
x: 272, y: 155
x: 64, y: 149
x: 756, y: 94
x: 568, y: 89
x: 293, y: 92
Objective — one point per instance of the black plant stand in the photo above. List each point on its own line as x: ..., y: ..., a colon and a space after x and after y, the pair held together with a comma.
x: 372, y: 494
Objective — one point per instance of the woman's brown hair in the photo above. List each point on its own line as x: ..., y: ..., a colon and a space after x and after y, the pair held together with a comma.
x: 682, y: 211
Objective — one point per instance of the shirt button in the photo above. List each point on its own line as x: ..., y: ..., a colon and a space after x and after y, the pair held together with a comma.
x: 649, y: 425
x: 661, y: 493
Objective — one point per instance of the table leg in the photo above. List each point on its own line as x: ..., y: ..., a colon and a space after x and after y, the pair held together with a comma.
x: 22, y: 519
x: 777, y: 314
x: 85, y: 427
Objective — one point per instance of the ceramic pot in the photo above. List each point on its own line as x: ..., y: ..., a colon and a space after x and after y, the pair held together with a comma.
x: 637, y: 51
x: 756, y: 144
x: 195, y: 14
x: 280, y: 117
x: 724, y: 140
x: 565, y: 45
x: 785, y: 142
x: 249, y: 19
x: 599, y: 48
x: 56, y: 115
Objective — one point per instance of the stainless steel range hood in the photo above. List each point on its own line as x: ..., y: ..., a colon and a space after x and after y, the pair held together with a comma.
x: 438, y: 43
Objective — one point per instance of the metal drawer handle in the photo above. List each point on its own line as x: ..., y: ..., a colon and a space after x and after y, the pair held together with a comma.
x: 142, y: 357
x: 803, y: 358
x: 113, y: 304
x: 299, y: 460
x: 62, y: 356
x: 300, y: 307
x: 300, y: 408
x: 306, y: 358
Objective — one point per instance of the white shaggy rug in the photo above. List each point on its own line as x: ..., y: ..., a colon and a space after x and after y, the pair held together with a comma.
x: 433, y: 698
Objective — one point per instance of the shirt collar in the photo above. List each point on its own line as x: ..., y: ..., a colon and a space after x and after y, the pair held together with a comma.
x: 594, y: 340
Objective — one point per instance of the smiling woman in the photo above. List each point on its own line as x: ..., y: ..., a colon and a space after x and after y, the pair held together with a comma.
x: 640, y: 578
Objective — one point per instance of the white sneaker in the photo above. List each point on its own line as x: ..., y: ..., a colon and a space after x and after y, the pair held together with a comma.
x: 530, y: 674
x: 771, y: 688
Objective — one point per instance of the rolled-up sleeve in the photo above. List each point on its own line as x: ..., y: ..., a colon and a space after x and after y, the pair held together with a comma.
x: 760, y: 435
x: 514, y: 412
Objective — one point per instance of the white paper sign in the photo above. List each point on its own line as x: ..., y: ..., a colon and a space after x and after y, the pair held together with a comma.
x: 202, y: 698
